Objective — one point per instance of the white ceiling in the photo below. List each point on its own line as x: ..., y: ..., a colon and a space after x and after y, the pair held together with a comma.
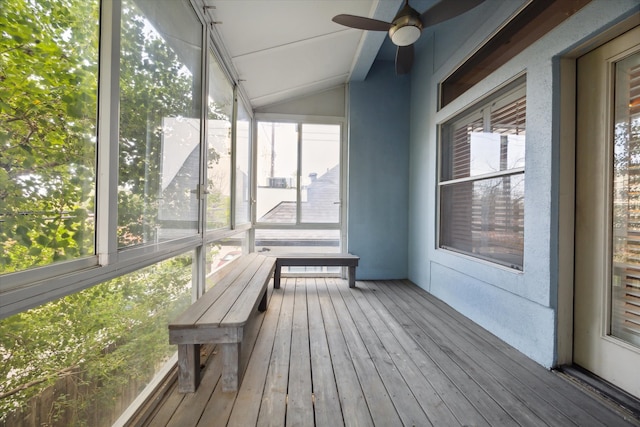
x: 284, y: 49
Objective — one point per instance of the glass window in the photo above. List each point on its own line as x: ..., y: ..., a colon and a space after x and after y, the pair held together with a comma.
x: 243, y: 166
x: 296, y: 188
x: 298, y: 240
x: 48, y: 108
x: 160, y: 108
x: 219, y: 114
x: 299, y: 183
x: 625, y: 291
x: 219, y: 254
x: 82, y: 359
x: 277, y: 172
x: 320, y: 180
x: 482, y: 180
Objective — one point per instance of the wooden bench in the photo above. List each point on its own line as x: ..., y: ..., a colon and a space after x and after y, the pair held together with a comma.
x: 222, y: 316
x: 317, y: 260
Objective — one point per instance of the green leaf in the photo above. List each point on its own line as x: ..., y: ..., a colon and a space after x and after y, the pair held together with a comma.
x: 42, y: 240
x: 35, y: 251
x: 21, y: 231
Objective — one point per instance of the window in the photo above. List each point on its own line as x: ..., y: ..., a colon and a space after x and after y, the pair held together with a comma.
x: 160, y: 110
x: 243, y: 166
x: 221, y: 253
x: 219, y: 113
x: 48, y: 108
x: 277, y: 172
x: 320, y: 179
x: 81, y: 339
x: 482, y: 179
x: 298, y: 178
x: 625, y: 298
x: 299, y: 181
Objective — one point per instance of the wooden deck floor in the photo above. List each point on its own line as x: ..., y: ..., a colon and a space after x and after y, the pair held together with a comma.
x: 384, y: 354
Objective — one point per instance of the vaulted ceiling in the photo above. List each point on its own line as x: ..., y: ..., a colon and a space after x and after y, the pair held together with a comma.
x: 284, y: 49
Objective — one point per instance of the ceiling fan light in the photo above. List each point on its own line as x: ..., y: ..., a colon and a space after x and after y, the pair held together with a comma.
x: 406, y: 35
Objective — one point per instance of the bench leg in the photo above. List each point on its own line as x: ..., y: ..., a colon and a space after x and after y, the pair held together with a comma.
x: 231, y: 375
x: 188, y: 367
x: 276, y: 277
x: 352, y: 277
x: 264, y: 302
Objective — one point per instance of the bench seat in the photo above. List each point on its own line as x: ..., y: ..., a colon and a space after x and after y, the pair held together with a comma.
x: 317, y: 260
x: 222, y: 316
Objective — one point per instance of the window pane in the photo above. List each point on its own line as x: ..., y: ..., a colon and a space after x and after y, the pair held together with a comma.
x: 302, y: 240
x: 82, y: 359
x: 625, y: 290
x: 470, y: 150
x: 485, y: 218
x: 456, y: 147
x: 159, y: 122
x: 221, y: 253
x: 243, y: 165
x: 277, y: 172
x: 220, y: 110
x: 493, y: 152
x: 320, y: 173
x: 48, y: 94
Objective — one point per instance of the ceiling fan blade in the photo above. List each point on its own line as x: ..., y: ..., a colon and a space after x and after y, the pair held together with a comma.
x: 404, y: 59
x: 361, y: 23
x: 447, y: 10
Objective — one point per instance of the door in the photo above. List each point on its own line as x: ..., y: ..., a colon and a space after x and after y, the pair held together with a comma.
x: 607, y: 271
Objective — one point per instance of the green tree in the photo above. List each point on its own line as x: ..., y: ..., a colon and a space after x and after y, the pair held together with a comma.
x: 107, y: 335
x: 48, y: 71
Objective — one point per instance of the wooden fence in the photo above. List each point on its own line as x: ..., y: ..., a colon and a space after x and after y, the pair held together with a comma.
x: 71, y: 401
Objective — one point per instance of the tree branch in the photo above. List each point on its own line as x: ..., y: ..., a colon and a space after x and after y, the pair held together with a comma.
x: 63, y: 373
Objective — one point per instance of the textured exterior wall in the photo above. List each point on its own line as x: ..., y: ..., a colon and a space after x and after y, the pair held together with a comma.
x: 378, y: 173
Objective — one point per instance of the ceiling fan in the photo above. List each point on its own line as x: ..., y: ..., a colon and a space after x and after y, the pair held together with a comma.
x: 406, y: 27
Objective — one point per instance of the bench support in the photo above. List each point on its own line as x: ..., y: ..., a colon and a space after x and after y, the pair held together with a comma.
x: 264, y: 302
x: 320, y: 260
x: 352, y: 276
x: 231, y: 369
x: 188, y: 367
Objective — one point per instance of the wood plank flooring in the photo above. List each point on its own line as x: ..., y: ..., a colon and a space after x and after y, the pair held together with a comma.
x: 386, y: 354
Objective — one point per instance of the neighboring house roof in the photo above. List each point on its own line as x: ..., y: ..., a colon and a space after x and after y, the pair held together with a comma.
x: 322, y: 204
x: 320, y: 207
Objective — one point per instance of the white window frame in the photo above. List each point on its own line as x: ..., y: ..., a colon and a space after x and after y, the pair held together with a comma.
x: 481, y: 109
x: 301, y: 120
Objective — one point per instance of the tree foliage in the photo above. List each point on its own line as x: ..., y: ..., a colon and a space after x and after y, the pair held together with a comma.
x: 107, y: 334
x: 48, y: 70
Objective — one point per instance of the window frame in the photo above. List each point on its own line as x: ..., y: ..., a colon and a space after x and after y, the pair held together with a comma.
x: 481, y: 108
x: 299, y: 121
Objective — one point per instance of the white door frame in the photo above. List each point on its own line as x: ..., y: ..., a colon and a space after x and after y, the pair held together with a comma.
x: 566, y: 193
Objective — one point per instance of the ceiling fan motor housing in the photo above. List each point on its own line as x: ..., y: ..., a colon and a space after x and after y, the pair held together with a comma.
x: 406, y: 28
